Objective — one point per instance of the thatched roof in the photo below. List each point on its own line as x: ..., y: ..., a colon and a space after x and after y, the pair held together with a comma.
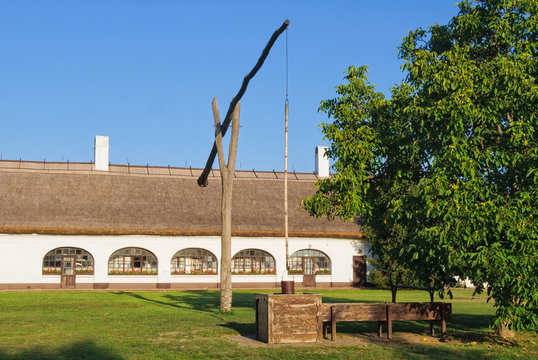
x: 67, y: 198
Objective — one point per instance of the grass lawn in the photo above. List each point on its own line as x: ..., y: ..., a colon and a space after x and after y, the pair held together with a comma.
x: 188, y: 325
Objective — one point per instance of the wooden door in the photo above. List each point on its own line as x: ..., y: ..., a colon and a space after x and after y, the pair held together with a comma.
x: 359, y: 271
x: 309, y: 277
x: 68, y: 271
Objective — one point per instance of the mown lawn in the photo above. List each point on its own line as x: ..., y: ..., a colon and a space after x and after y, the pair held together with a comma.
x: 188, y: 325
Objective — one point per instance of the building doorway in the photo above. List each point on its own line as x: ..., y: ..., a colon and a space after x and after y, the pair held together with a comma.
x: 69, y: 274
x: 359, y: 271
x: 66, y: 263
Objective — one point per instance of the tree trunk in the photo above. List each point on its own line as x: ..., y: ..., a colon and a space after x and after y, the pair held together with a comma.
x: 393, y: 290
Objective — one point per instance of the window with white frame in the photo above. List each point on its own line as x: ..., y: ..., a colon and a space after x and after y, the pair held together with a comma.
x: 193, y: 261
x: 309, y: 261
x: 253, y: 261
x: 132, y: 261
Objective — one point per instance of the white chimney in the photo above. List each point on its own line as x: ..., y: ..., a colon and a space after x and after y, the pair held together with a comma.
x: 322, y: 162
x: 101, y: 153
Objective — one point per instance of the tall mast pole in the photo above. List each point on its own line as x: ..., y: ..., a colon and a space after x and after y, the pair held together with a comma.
x: 286, y: 163
x: 286, y: 188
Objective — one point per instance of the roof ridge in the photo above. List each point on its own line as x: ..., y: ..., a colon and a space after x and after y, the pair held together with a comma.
x: 147, y: 170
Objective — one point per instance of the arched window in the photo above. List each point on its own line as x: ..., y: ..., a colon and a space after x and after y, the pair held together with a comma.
x: 193, y: 262
x: 252, y: 261
x: 132, y: 261
x: 53, y: 261
x: 309, y: 262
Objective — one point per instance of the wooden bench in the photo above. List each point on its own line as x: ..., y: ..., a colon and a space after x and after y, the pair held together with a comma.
x: 384, y: 313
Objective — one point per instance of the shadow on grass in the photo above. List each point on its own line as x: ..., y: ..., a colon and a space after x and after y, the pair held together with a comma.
x: 202, y: 300
x: 468, y: 321
x: 77, y: 350
x: 419, y: 351
x: 244, y: 329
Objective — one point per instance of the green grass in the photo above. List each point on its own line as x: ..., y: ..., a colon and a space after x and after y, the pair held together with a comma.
x: 188, y: 325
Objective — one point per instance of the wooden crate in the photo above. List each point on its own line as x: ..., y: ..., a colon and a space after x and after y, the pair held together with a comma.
x: 288, y: 318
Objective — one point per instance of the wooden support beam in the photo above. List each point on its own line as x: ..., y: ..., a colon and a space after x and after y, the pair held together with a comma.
x: 227, y: 175
x: 389, y: 323
x: 333, y: 323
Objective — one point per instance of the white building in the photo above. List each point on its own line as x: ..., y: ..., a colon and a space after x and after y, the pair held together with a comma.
x: 138, y: 227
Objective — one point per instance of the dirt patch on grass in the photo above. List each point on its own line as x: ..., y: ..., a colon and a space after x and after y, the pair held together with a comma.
x: 360, y: 340
x: 525, y: 341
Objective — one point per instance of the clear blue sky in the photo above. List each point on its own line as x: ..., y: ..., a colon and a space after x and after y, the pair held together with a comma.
x: 144, y: 73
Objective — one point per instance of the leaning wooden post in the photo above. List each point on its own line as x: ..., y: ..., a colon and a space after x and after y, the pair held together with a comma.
x: 202, y: 180
x: 226, y: 175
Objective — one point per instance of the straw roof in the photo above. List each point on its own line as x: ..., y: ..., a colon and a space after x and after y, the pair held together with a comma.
x: 62, y: 198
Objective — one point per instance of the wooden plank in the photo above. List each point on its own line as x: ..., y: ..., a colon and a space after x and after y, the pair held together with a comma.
x: 376, y: 311
x: 354, y: 311
x: 319, y: 322
x: 333, y: 323
x: 366, y: 312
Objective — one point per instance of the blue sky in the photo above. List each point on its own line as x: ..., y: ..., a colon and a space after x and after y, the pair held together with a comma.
x: 144, y: 73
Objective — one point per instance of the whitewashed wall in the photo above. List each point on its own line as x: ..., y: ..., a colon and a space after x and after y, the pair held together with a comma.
x: 23, y: 256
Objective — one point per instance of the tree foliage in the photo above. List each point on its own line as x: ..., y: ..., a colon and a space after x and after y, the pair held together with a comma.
x: 452, y: 156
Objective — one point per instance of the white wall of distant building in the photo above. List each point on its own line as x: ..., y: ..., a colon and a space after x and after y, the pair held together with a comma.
x: 23, y: 256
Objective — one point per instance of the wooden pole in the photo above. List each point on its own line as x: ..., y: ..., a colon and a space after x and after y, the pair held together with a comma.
x: 202, y: 180
x: 286, y: 188
x: 227, y: 175
x: 389, y: 323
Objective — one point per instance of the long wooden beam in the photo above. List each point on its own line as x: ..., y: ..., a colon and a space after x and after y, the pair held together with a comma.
x: 202, y: 180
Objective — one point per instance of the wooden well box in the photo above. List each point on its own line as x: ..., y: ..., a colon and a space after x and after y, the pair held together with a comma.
x: 288, y: 318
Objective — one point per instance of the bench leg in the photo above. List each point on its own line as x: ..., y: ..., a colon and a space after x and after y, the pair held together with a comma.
x: 333, y: 324
x: 432, y: 329
x: 379, y: 328
x: 389, y: 323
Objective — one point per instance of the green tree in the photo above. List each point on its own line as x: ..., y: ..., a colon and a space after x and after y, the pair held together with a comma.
x: 388, y: 270
x: 452, y: 156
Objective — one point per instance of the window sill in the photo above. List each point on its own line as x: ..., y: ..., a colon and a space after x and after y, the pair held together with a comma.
x: 58, y: 275
x: 133, y: 275
x: 251, y: 274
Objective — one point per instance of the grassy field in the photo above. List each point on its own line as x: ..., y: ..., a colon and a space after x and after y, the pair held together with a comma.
x: 187, y: 325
